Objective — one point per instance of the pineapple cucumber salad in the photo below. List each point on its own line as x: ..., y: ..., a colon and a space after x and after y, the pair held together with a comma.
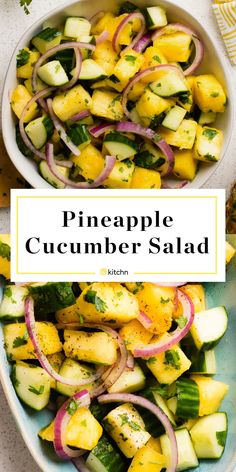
x: 116, y: 101
x: 127, y: 370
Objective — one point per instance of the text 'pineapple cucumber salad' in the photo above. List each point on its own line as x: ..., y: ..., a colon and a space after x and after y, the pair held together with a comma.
x: 112, y: 101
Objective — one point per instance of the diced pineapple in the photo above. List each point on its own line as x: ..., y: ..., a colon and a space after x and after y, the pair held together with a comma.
x: 229, y: 252
x: 211, y: 394
x: 101, y: 25
x: 154, y: 443
x: 56, y: 361
x: 185, y: 165
x: 184, y: 137
x: 126, y: 427
x: 158, y: 304
x: 127, y: 66
x: 97, y: 348
x: 90, y: 162
x: 19, y: 99
x: 121, y: 175
x: 197, y: 295
x: 146, y: 459
x: 70, y: 102
x: 39, y: 86
x: 150, y: 106
x: 170, y: 365
x: 136, y: 91
x: 107, y: 105
x: 145, y: 178
x: 105, y: 56
x: 208, y: 144
x: 25, y: 71
x: 174, y: 46
x: 209, y: 94
x: 19, y: 346
x: 187, y: 100
x: 152, y: 57
x: 134, y: 334
x: 5, y: 255
x: 83, y: 430
x: 111, y: 22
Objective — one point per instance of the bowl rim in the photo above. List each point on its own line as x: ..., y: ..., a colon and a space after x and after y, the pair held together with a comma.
x: 34, y: 178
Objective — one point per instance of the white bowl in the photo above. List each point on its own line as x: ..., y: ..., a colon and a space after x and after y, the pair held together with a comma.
x: 213, y: 63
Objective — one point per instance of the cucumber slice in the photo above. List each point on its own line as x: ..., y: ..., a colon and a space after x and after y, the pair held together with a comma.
x: 153, y: 426
x: 53, y: 73
x: 51, y: 296
x: 49, y: 177
x: 209, y: 327
x: 207, y: 118
x: 66, y: 58
x: 155, y: 17
x: 209, y: 436
x: 47, y: 39
x: 13, y: 305
x: 187, y: 399
x: 40, y: 130
x: 90, y: 70
x: 75, y: 27
x: 169, y: 85
x: 156, y: 398
x: 204, y: 362
x: 130, y: 381
x: 71, y: 369
x: 21, y: 145
x: 105, y: 458
x: 86, y: 53
x: 32, y: 385
x: 119, y: 145
x: 186, y: 455
x: 174, y: 118
x: 79, y: 135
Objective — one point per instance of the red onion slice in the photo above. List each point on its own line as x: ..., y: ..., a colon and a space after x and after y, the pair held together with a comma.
x: 62, y: 420
x: 182, y: 184
x: 142, y: 74
x: 129, y: 18
x: 109, y: 164
x: 98, y: 130
x: 61, y: 130
x: 144, y: 320
x: 143, y: 42
x: 199, y: 46
x: 80, y: 465
x: 81, y: 115
x: 155, y: 410
x: 30, y: 324
x: 129, y: 127
x: 169, y: 284
x: 150, y: 350
x: 130, y: 361
x: 102, y: 37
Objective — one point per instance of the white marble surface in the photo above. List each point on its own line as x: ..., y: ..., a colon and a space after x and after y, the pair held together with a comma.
x: 13, y: 453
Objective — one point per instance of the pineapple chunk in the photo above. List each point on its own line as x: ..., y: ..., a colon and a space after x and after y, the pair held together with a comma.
x: 229, y: 252
x: 83, y: 430
x: 150, y: 106
x: 90, y: 162
x: 158, y: 304
x: 126, y: 427
x: 5, y: 255
x: 209, y: 94
x: 107, y: 105
x: 152, y: 57
x: 154, y: 443
x: 101, y: 25
x: 197, y: 295
x: 19, y: 346
x: 185, y: 165
x: 170, y: 365
x: 187, y: 101
x: 111, y: 22
x: 105, y: 56
x: 211, y: 394
x: 19, y: 99
x: 127, y: 66
x: 134, y: 334
x: 184, y: 137
x: 136, y: 91
x: 98, y: 348
x: 70, y: 102
x: 145, y: 178
x: 146, y: 459
x: 175, y: 46
x: 25, y: 71
x: 208, y: 144
x: 121, y: 175
x: 56, y: 361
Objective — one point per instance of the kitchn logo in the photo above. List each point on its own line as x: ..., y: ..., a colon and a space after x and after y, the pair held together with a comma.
x: 105, y: 271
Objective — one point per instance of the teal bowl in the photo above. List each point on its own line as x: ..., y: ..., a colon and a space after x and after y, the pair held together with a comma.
x: 30, y: 422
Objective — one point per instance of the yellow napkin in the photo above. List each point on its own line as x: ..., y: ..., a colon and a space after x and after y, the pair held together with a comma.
x: 225, y: 11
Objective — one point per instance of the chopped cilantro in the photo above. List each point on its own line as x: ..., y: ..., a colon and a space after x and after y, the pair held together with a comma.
x: 114, y: 79
x: 81, y: 319
x: 35, y: 391
x: 181, y: 321
x: 84, y: 423
x: 20, y: 340
x: 221, y: 437
x: 130, y: 58
x: 172, y: 359
x: 91, y: 297
x: 165, y: 300
x: 152, y: 360
x: 157, y: 58
x: 125, y: 420
x: 5, y: 251
x: 22, y: 57
x: 72, y: 407
x: 214, y: 94
x: 8, y: 292
x: 209, y: 157
x: 210, y: 133
x: 25, y: 4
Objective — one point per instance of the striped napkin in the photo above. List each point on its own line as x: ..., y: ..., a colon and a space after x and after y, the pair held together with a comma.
x: 225, y: 11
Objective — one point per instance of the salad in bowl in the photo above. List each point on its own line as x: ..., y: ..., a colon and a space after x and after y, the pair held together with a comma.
x: 118, y: 100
